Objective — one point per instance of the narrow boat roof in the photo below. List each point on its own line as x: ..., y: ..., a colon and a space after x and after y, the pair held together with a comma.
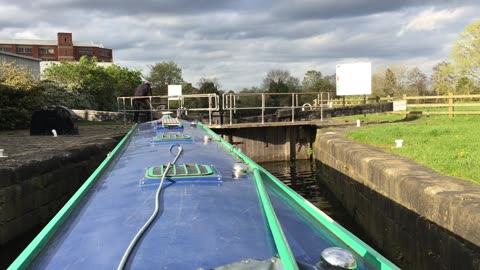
x: 208, y: 216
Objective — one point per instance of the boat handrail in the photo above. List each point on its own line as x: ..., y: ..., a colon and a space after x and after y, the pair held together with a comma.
x: 47, y: 233
x: 284, y: 251
x: 360, y: 247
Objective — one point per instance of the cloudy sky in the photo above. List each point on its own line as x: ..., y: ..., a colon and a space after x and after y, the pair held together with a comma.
x: 239, y: 41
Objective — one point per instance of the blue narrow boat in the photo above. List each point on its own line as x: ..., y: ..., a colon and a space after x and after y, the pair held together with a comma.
x: 183, y: 198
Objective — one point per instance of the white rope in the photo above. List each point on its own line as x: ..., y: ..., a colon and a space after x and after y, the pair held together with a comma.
x: 152, y: 217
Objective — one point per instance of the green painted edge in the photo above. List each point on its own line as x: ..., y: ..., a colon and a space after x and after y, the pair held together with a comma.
x: 284, y: 251
x: 40, y: 241
x: 360, y: 247
x: 196, y: 167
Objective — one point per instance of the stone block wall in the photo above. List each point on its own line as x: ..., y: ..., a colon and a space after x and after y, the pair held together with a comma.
x: 417, y: 217
x: 32, y: 191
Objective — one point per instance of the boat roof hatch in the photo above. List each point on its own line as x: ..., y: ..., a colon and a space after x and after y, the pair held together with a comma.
x: 248, y: 264
x: 191, y: 172
x: 172, y: 137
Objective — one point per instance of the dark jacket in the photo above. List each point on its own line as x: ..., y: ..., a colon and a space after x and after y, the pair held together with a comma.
x: 143, y: 89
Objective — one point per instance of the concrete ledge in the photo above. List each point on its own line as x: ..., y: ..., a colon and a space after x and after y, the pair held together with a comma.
x: 92, y: 115
x: 441, y: 213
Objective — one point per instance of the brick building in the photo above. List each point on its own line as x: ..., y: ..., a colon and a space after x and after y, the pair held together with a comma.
x: 62, y: 49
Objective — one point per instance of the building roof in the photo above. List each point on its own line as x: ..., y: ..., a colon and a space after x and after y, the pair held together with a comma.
x: 48, y: 42
x: 21, y: 56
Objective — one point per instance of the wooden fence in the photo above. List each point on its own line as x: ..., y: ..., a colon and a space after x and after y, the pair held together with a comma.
x: 427, y: 105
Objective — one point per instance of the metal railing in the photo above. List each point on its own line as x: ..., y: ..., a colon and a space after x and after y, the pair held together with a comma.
x: 230, y: 102
x: 162, y: 103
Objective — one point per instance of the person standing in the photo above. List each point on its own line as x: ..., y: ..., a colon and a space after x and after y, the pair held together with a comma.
x: 142, y: 104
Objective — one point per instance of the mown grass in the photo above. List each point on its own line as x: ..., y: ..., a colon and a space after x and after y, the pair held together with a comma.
x: 445, y: 109
x: 373, y: 117
x: 450, y: 146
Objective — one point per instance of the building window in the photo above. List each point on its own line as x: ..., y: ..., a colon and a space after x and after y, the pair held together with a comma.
x: 5, y: 49
x: 104, y: 53
x: 85, y: 51
x: 24, y: 50
x: 46, y: 51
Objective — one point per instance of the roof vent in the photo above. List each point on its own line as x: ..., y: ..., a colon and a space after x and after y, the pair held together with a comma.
x: 239, y: 169
x: 337, y: 258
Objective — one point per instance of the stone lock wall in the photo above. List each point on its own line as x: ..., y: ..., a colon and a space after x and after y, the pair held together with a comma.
x: 33, y: 190
x: 417, y: 217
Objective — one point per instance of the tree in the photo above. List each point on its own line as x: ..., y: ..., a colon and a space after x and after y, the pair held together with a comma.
x: 71, y: 74
x: 396, y: 80
x: 276, y: 75
x: 417, y: 82
x: 280, y: 81
x: 162, y: 74
x: 390, y: 83
x: 104, y: 84
x: 466, y: 52
x: 466, y: 86
x: 124, y: 80
x: 16, y: 76
x: 188, y: 89
x: 207, y: 86
x: 378, y: 83
x: 444, y: 78
x: 315, y: 82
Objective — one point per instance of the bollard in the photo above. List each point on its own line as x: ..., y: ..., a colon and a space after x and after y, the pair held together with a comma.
x: 399, y: 143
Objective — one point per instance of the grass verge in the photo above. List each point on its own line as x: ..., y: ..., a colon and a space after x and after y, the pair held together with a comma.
x: 450, y: 146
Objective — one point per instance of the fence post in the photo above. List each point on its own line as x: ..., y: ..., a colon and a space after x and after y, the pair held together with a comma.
x: 209, y: 109
x: 451, y: 108
x: 321, y: 105
x: 293, y: 107
x: 263, y: 108
x: 230, y: 106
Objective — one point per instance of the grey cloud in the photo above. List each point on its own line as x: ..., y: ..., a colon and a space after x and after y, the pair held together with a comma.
x: 239, y: 41
x: 311, y: 9
x: 179, y: 7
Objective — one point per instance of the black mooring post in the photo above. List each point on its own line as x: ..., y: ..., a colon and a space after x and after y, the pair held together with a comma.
x: 365, y: 103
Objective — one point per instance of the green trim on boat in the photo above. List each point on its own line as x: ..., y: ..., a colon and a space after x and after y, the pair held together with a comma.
x: 180, y: 170
x: 39, y: 242
x: 284, y: 251
x: 369, y: 254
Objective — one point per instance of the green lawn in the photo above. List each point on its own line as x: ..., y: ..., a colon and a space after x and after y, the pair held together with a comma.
x: 372, y: 117
x: 445, y: 109
x: 448, y: 145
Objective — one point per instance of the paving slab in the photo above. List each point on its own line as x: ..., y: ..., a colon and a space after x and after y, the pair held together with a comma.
x: 18, y: 145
